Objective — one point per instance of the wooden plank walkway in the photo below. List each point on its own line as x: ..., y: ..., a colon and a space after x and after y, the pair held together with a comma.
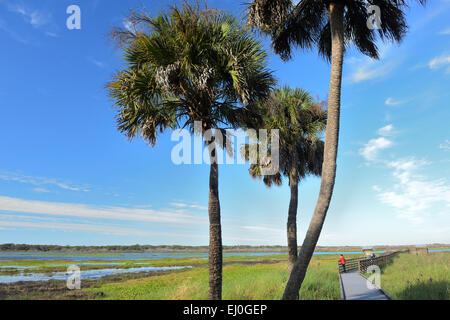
x: 354, y: 287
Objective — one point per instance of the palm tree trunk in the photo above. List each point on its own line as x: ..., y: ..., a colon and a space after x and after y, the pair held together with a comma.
x: 292, y: 224
x: 215, y: 234
x: 336, y: 12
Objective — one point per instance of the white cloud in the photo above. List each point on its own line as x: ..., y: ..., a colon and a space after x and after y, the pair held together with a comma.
x: 39, y: 181
x: 36, y: 18
x: 368, y: 72
x: 445, y: 32
x: 440, y: 62
x: 445, y: 146
x: 7, y: 221
x: 376, y: 188
x: 51, y: 34
x: 41, y: 190
x: 233, y: 234
x: 386, y: 131
x: 392, y: 102
x: 368, y: 68
x: 97, y: 62
x: 414, y: 195
x: 373, y: 147
x: 185, y: 205
x: 61, y: 209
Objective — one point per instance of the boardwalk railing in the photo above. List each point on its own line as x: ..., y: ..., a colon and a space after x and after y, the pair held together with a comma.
x: 361, y: 264
x: 380, y: 261
x: 350, y: 265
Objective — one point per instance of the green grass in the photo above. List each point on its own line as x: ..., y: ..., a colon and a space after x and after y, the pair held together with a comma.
x: 408, y: 277
x: 240, y: 282
x: 245, y: 277
x: 412, y: 277
x: 48, y: 266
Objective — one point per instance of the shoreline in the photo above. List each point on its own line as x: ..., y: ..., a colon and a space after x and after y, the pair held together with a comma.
x: 57, y: 289
x: 199, y: 249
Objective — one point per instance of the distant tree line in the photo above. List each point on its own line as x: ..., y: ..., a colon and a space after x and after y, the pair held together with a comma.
x: 136, y: 247
x: 175, y: 248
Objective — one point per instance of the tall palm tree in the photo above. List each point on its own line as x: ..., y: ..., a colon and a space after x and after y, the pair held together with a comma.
x: 300, y: 122
x: 331, y: 26
x: 184, y: 66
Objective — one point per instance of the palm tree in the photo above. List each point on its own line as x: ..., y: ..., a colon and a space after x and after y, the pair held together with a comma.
x: 331, y: 26
x: 300, y: 121
x: 184, y: 66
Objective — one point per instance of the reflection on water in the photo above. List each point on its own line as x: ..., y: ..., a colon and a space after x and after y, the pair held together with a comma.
x: 88, y: 274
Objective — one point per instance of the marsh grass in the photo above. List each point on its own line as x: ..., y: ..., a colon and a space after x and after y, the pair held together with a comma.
x: 58, y: 265
x: 49, y: 266
x: 412, y: 277
x: 240, y: 282
x: 245, y: 277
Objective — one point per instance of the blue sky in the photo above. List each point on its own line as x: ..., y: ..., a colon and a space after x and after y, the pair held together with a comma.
x: 68, y: 177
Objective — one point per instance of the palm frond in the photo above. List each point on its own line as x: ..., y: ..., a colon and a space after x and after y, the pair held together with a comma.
x: 305, y: 25
x: 185, y: 65
x: 300, y: 121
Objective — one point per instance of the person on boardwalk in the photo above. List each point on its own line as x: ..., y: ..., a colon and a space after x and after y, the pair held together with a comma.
x: 342, y: 260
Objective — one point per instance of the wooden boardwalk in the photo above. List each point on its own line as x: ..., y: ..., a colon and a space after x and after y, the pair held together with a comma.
x: 354, y: 287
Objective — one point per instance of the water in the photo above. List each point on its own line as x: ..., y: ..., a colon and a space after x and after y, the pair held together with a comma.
x: 135, y: 256
x: 78, y: 257
x: 344, y: 253
x: 113, y: 260
x: 88, y: 274
x: 81, y: 259
x: 58, y: 259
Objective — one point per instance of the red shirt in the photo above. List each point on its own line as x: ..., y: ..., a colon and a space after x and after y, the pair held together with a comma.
x: 342, y: 259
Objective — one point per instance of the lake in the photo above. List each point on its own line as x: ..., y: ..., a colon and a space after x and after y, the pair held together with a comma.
x: 87, y: 274
x: 44, y: 266
x: 135, y: 256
